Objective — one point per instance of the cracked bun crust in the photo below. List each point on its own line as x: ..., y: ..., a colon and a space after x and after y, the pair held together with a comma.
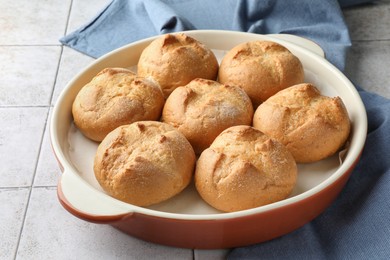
x: 115, y: 97
x: 174, y: 60
x: 310, y: 125
x: 144, y: 163
x: 261, y: 68
x: 202, y: 109
x: 243, y: 169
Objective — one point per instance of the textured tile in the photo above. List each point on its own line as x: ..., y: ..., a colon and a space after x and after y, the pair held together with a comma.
x: 48, y: 171
x: 32, y: 22
x: 218, y: 254
x: 72, y: 62
x: 12, y: 207
x: 368, y: 65
x: 369, y: 22
x: 20, y: 138
x: 27, y: 74
x: 83, y: 12
x: 51, y: 232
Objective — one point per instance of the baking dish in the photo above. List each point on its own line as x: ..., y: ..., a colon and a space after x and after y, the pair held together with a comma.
x: 185, y: 220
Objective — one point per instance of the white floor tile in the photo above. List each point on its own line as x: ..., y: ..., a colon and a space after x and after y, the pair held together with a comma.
x: 218, y: 254
x: 69, y: 68
x: 51, y: 232
x: 33, y: 22
x: 20, y: 138
x: 12, y: 207
x: 27, y: 74
x: 48, y: 170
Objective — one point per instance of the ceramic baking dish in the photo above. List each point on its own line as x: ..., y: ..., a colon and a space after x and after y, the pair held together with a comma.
x: 185, y: 220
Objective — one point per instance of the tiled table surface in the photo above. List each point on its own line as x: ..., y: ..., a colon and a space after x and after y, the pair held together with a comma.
x: 34, y: 67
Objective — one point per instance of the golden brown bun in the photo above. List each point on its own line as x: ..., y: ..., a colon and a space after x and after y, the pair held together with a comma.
x: 114, y: 97
x: 144, y: 163
x: 202, y: 109
x: 261, y: 68
x: 175, y: 60
x: 311, y: 126
x: 243, y: 169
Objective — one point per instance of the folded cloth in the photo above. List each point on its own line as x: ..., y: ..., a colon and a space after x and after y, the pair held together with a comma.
x: 125, y: 21
x: 357, y: 225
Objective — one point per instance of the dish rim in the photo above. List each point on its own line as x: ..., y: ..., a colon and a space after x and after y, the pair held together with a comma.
x: 347, y: 165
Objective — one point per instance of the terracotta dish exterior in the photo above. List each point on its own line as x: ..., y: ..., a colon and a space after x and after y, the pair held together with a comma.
x: 186, y: 220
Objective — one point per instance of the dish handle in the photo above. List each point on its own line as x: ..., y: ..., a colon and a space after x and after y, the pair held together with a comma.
x: 86, y: 203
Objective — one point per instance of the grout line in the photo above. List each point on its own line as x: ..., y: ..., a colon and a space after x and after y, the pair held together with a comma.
x: 57, y: 70
x: 68, y: 18
x: 22, y: 226
x: 31, y: 186
x: 61, y: 54
x: 31, y: 45
x: 27, y: 187
x: 45, y: 186
x: 56, y: 76
x: 40, y: 147
x: 14, y: 188
x: 25, y: 106
x: 42, y: 139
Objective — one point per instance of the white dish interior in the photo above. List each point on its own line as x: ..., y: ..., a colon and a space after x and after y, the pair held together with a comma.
x: 76, y: 152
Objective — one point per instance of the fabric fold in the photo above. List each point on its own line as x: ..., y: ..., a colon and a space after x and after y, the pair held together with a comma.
x: 249, y: 16
x: 125, y: 21
x: 165, y: 19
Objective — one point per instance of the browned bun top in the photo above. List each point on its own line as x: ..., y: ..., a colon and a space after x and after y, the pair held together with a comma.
x: 202, y: 109
x: 244, y: 168
x: 114, y: 97
x: 176, y: 59
x: 144, y: 163
x: 312, y: 126
x: 261, y: 68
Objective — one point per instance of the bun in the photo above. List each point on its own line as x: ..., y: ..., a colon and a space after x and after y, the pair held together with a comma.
x: 243, y: 169
x: 144, y: 163
x: 174, y: 60
x: 261, y: 68
x: 115, y: 97
x: 202, y: 109
x: 310, y: 125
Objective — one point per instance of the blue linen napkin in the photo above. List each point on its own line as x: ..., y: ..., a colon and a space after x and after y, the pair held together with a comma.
x: 125, y: 21
x: 357, y: 225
